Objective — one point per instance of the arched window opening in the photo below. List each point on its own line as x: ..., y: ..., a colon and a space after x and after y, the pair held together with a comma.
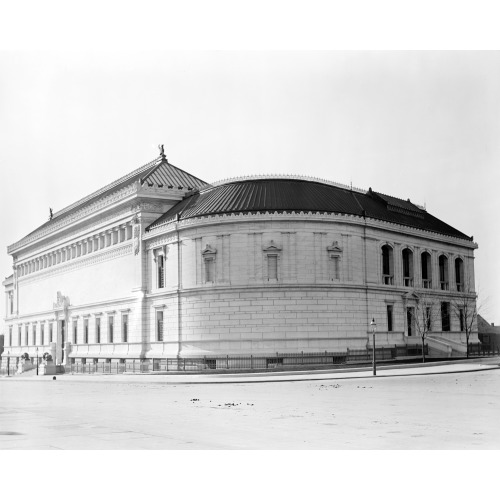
x: 443, y: 272
x: 459, y: 274
x: 407, y: 267
x: 426, y: 270
x: 387, y: 265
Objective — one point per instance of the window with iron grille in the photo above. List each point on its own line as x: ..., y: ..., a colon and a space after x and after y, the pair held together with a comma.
x: 159, y: 326
x: 111, y: 324
x: 410, y: 321
x: 125, y: 328
x: 462, y: 320
x: 161, y: 271
x: 272, y: 267
x: 389, y: 318
x: 98, y: 330
x: 445, y: 316
x: 459, y: 274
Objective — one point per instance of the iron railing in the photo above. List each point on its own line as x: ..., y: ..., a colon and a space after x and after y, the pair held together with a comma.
x: 480, y: 349
x: 277, y: 361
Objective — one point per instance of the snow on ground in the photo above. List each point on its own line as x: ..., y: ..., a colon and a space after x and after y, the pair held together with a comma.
x: 442, y: 411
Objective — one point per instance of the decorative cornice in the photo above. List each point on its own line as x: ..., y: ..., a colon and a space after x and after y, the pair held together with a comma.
x: 345, y: 218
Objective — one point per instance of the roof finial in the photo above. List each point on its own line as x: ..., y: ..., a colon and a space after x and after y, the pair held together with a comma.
x: 162, y: 151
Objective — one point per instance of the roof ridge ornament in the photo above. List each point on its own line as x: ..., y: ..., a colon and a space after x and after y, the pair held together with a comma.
x: 162, y: 151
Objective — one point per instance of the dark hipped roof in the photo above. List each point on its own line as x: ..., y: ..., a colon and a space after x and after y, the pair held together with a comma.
x: 287, y: 195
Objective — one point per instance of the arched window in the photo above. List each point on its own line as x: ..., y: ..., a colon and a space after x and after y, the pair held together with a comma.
x: 425, y: 260
x: 459, y: 274
x: 387, y: 265
x: 443, y: 272
x: 407, y: 267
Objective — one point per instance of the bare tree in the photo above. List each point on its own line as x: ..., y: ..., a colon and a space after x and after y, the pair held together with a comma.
x: 423, y: 316
x: 466, y: 310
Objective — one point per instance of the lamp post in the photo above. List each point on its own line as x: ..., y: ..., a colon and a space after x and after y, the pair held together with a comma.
x: 8, y: 364
x: 37, y: 361
x: 374, y: 329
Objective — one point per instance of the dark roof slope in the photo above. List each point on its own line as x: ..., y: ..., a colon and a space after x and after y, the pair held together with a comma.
x: 287, y: 195
x: 158, y: 173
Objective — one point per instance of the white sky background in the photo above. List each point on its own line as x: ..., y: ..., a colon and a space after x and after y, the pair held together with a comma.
x: 419, y: 125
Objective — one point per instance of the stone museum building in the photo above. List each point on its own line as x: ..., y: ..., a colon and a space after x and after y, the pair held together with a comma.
x: 160, y: 264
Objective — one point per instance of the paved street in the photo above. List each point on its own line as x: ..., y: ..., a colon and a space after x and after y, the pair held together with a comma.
x: 396, y: 410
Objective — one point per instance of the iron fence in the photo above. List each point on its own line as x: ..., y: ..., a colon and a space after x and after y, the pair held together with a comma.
x: 277, y: 361
x: 480, y: 349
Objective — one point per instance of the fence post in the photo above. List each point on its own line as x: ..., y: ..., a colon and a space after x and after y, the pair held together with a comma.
x: 227, y: 362
x: 251, y: 362
x: 184, y: 359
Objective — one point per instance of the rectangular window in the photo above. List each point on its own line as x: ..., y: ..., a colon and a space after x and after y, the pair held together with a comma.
x: 10, y: 336
x: 161, y: 271
x: 445, y: 316
x: 111, y: 324
x: 75, y: 332
x: 389, y: 318
x: 272, y: 267
x: 34, y: 334
x: 462, y: 320
x: 85, y: 331
x: 209, y: 270
x: 159, y: 326
x: 410, y: 320
x: 125, y: 328
x: 51, y: 328
x: 18, y: 335
x: 26, y: 339
x: 42, y: 334
x: 98, y: 330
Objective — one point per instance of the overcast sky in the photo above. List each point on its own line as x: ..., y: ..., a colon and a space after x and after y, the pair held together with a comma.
x: 418, y: 125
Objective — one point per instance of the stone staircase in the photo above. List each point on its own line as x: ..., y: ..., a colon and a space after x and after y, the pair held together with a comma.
x: 445, y: 348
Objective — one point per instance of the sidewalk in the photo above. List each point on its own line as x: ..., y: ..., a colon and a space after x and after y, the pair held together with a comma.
x: 177, y: 378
